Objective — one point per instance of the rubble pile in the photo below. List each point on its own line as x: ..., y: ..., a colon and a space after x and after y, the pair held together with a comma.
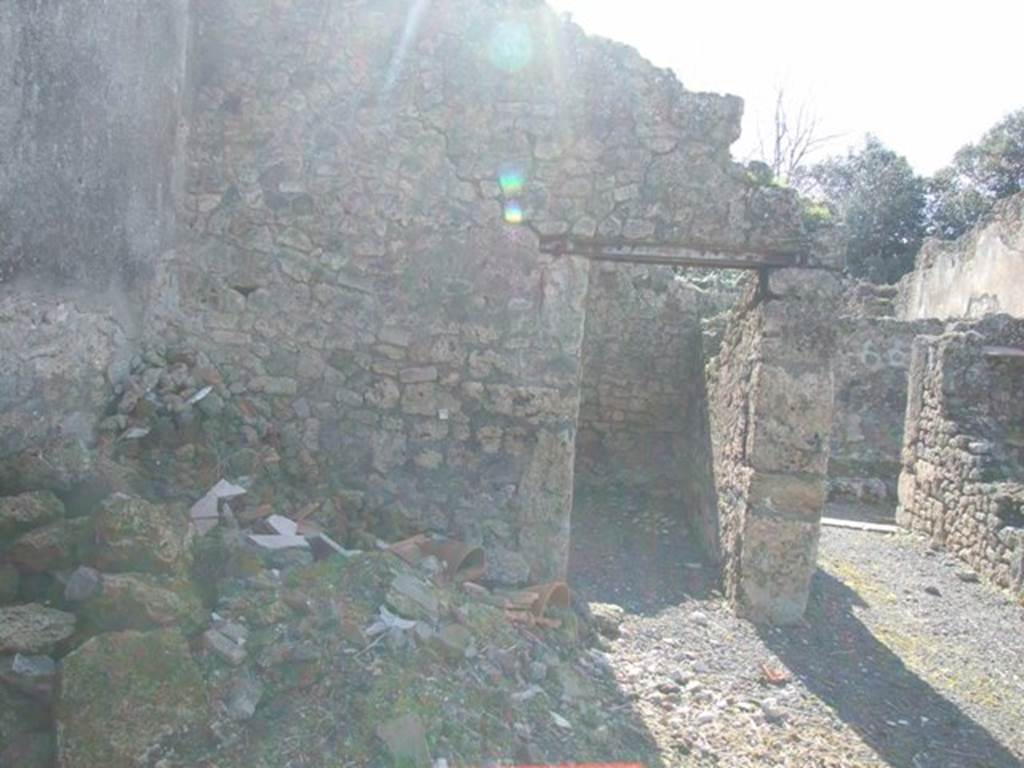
x: 176, y: 418
x: 217, y: 635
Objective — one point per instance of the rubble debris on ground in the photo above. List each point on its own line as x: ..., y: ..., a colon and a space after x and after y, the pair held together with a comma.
x: 229, y: 638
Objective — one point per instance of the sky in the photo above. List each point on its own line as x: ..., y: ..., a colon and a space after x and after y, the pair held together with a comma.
x: 925, y: 77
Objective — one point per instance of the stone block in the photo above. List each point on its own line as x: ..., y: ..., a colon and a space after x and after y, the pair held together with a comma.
x: 22, y: 513
x: 32, y: 675
x: 146, y: 682
x: 906, y: 489
x: 53, y: 547
x: 143, y: 601
x: 83, y: 583
x: 33, y: 629
x: 791, y: 497
x: 791, y: 419
x: 135, y: 535
x: 777, y: 560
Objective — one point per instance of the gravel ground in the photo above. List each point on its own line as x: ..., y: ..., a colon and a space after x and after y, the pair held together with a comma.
x: 900, y: 661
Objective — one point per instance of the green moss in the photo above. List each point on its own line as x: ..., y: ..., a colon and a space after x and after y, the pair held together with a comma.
x: 816, y: 215
x: 327, y: 572
x: 465, y: 716
x: 488, y: 621
x: 121, y: 693
x: 135, y: 535
x: 27, y: 511
x: 262, y: 609
x: 760, y: 175
x: 142, y: 601
x: 357, y: 584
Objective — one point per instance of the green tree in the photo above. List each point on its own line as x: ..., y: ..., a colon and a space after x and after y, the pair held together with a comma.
x: 980, y: 174
x: 880, y: 201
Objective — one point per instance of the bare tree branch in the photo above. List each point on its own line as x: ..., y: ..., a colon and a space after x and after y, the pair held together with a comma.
x: 796, y: 136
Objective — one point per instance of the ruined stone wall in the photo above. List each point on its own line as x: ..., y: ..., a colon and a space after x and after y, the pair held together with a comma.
x: 963, y: 456
x: 643, y: 426
x: 55, y: 384
x: 367, y: 185
x: 771, y: 391
x: 93, y: 97
x: 91, y: 126
x: 977, y: 275
x: 870, y: 366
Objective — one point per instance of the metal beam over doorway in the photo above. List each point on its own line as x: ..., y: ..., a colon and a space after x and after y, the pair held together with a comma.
x: 678, y: 254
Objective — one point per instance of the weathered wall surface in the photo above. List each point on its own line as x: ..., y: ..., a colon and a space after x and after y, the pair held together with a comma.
x: 92, y: 100
x: 358, y: 175
x: 977, y: 275
x: 55, y: 374
x: 771, y: 392
x: 870, y: 368
x: 963, y: 457
x: 358, y: 238
x: 643, y: 425
x: 93, y: 95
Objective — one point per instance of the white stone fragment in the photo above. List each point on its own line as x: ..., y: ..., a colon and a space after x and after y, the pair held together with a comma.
x: 205, y: 508
x: 200, y: 395
x: 282, y: 525
x: 279, y: 542
x: 561, y: 722
x: 225, y: 490
x: 387, y: 621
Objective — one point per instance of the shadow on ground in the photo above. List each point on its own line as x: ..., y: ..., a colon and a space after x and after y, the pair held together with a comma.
x: 636, y: 553
x: 899, y: 715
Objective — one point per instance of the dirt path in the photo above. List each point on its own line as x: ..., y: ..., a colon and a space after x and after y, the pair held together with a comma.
x: 882, y: 672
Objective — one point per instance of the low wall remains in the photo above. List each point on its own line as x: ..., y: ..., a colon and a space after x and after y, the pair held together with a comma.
x: 962, y: 482
x: 871, y: 368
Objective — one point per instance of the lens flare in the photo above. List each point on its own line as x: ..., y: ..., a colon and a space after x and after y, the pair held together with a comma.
x: 513, y: 213
x: 511, y: 46
x: 512, y: 182
x: 412, y: 25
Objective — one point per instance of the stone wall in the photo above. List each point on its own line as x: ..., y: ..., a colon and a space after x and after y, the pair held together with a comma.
x: 55, y: 385
x: 977, y: 275
x: 91, y: 124
x: 870, y: 366
x: 771, y: 392
x: 367, y: 185
x: 643, y: 427
x: 357, y: 241
x: 963, y: 456
x: 92, y: 132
